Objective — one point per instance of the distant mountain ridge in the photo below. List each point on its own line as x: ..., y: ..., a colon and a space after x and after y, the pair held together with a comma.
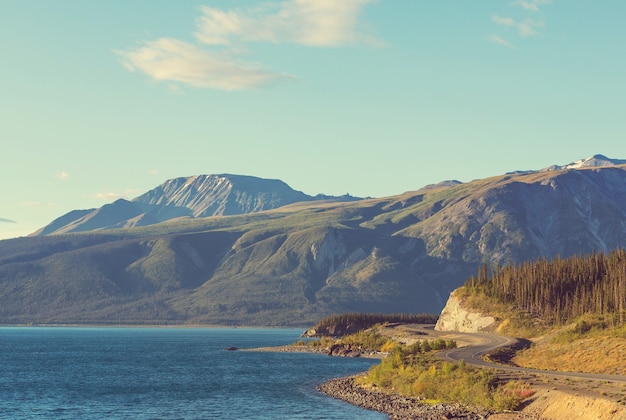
x: 194, y: 196
x: 594, y: 161
x: 223, y: 195
x: 403, y: 253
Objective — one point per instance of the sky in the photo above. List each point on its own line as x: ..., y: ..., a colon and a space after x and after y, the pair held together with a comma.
x: 101, y: 100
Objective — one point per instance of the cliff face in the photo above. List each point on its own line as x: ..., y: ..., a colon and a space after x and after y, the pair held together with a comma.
x: 455, y: 317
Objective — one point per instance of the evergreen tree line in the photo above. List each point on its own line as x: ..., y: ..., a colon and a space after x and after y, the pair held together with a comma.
x: 351, y: 322
x: 560, y: 290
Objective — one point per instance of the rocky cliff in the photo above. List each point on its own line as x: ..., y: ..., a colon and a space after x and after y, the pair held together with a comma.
x: 455, y: 317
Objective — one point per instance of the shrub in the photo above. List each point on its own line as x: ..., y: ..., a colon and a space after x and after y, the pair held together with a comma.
x: 418, y: 374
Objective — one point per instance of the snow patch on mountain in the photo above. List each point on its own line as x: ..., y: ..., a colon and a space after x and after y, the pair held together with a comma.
x: 594, y: 161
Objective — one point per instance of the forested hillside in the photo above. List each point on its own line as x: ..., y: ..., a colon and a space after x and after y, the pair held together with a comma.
x: 560, y: 290
x: 343, y: 324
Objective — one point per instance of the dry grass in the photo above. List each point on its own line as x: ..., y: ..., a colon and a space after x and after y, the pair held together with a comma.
x: 600, y: 354
x: 587, y: 345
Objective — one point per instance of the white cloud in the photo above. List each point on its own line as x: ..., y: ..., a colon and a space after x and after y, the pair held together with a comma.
x: 532, y: 5
x: 62, y: 175
x: 153, y: 172
x: 525, y: 28
x: 529, y: 27
x: 524, y: 25
x: 108, y: 196
x: 528, y: 5
x: 503, y: 21
x: 320, y: 23
x: 169, y: 59
x: 3, y: 220
x: 500, y: 41
x: 112, y: 196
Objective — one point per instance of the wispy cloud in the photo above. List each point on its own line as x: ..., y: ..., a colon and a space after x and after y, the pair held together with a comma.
x: 112, y: 196
x: 529, y: 27
x: 320, y: 23
x: 503, y: 21
x: 215, y: 62
x: 501, y: 41
x: 169, y: 59
x: 532, y: 5
x: 3, y: 220
x: 525, y: 26
x: 108, y: 196
x: 63, y: 175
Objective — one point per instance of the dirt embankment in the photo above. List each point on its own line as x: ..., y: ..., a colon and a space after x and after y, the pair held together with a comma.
x: 558, y: 405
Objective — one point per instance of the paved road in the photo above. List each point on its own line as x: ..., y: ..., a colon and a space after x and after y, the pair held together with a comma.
x: 473, y: 355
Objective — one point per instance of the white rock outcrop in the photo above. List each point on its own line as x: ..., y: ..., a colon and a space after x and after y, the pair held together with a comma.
x: 455, y: 317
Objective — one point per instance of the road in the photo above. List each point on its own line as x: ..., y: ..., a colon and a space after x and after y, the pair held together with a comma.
x: 473, y: 355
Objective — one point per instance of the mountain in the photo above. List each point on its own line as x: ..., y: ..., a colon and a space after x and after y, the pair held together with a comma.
x: 297, y: 263
x: 590, y: 162
x: 195, y: 196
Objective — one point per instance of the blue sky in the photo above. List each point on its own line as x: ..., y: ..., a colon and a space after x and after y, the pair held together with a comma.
x: 107, y: 99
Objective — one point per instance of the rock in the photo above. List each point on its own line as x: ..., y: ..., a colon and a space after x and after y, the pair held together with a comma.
x: 455, y: 317
x: 310, y: 333
x: 343, y: 350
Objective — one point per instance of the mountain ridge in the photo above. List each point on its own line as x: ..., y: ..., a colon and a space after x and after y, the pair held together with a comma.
x: 193, y: 196
x: 590, y: 162
x: 225, y: 194
x: 294, y: 264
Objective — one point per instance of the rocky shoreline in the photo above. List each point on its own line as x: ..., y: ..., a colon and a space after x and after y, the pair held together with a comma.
x: 395, y: 406
x: 335, y: 351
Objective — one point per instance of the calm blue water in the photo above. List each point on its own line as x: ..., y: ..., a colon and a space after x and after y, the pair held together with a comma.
x: 165, y: 373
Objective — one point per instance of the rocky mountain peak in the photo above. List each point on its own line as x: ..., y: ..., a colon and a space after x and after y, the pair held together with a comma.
x: 594, y: 161
x: 192, y: 196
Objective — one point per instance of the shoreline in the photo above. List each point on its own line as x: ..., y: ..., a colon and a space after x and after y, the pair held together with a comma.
x: 555, y: 398
x: 131, y: 325
x: 395, y: 406
x: 317, y: 350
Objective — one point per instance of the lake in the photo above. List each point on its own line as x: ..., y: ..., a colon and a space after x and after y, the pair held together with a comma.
x: 166, y: 373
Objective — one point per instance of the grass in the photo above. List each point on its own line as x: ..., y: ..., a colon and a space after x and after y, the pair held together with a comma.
x: 591, y: 349
x: 421, y: 375
x: 591, y: 343
x: 412, y: 370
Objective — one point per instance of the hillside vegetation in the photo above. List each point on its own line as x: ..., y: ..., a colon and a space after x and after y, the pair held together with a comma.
x: 412, y: 370
x: 344, y: 324
x: 559, y: 291
x: 573, y: 309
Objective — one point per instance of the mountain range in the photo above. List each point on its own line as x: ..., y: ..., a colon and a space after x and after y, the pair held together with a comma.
x: 195, y: 196
x: 234, y: 250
